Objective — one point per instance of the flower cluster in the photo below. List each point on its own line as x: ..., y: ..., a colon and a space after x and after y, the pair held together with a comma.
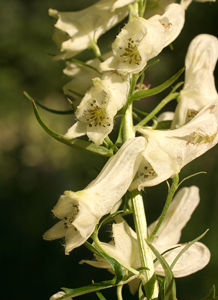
x: 144, y: 156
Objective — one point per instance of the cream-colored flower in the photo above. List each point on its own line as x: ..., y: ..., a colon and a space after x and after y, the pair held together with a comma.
x: 82, y: 76
x: 100, y: 104
x: 81, y: 29
x: 124, y: 246
x: 168, y: 151
x: 141, y: 40
x: 199, y: 88
x: 81, y: 211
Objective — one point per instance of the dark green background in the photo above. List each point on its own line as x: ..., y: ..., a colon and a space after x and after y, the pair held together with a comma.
x: 35, y: 169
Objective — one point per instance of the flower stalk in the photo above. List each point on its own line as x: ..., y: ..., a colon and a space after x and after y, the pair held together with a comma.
x: 145, y: 251
x: 140, y: 221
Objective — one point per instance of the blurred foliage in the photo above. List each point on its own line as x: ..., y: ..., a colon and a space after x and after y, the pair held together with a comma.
x: 35, y: 169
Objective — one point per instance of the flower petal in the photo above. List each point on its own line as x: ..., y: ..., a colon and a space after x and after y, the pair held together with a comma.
x: 193, y: 260
x: 99, y: 106
x: 141, y: 40
x: 178, y: 214
x: 168, y: 151
x: 199, y: 88
x: 81, y: 211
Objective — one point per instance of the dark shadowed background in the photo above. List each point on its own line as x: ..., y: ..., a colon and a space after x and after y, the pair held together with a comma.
x: 36, y: 170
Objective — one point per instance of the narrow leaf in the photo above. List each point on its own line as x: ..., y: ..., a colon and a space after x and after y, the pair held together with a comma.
x: 100, y: 296
x: 60, y: 112
x: 74, y: 143
x: 116, y: 267
x: 147, y: 93
x: 211, y: 295
x: 169, y: 287
x: 186, y: 248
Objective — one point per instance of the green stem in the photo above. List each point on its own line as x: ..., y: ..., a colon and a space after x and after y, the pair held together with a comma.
x: 128, y: 127
x: 142, y: 5
x: 171, y: 193
x: 119, y: 292
x: 158, y: 108
x: 150, y: 284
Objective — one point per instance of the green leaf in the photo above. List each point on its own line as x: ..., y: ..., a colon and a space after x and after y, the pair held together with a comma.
x: 109, y: 218
x: 211, y: 295
x: 186, y: 248
x: 116, y: 267
x: 96, y: 287
x: 74, y: 143
x: 100, y: 296
x: 168, y: 289
x: 164, y: 124
x: 65, y: 112
x: 147, y: 93
x: 80, y: 62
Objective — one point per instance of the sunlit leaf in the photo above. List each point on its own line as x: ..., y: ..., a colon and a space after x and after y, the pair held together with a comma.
x: 147, y: 93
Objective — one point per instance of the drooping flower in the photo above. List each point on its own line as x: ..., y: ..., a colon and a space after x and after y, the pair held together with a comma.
x: 141, y: 40
x: 199, y: 88
x: 124, y: 246
x: 81, y: 211
x: 82, y: 75
x: 168, y: 151
x: 80, y: 30
x: 100, y: 104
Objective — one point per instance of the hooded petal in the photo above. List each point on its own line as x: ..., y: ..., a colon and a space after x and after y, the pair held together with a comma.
x: 168, y: 151
x: 199, y: 88
x: 141, y: 40
x: 178, y: 214
x: 85, y: 26
x: 81, y: 211
x: 99, y: 106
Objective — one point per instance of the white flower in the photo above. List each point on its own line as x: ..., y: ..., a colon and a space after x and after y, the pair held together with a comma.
x: 59, y: 295
x: 168, y: 151
x: 81, y: 211
x: 83, y: 28
x: 100, y: 104
x: 169, y: 233
x: 124, y: 246
x: 186, y: 3
x: 82, y: 76
x: 199, y: 88
x: 141, y: 40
